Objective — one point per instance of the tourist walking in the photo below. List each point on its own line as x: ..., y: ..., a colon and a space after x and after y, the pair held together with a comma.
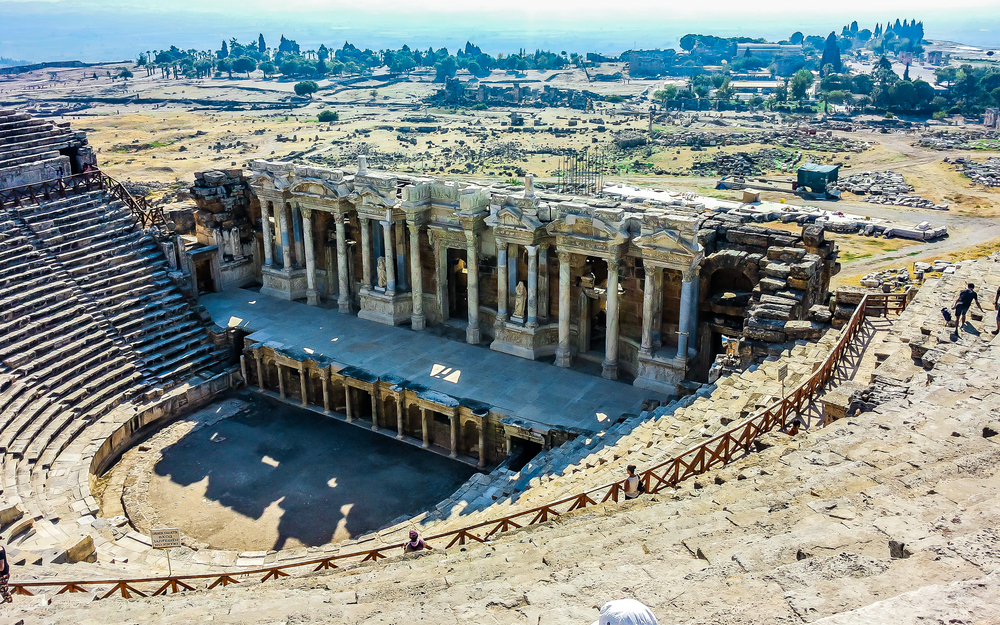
x: 416, y: 543
x: 4, y: 576
x: 963, y: 303
x: 632, y: 486
x: 996, y: 305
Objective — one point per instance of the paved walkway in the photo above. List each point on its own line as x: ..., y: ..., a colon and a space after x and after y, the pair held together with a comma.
x: 543, y: 393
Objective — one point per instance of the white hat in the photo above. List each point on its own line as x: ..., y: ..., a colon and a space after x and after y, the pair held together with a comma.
x: 625, y: 612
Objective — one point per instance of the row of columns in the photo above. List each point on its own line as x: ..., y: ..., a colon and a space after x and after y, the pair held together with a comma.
x: 688, y: 314
x: 425, y: 412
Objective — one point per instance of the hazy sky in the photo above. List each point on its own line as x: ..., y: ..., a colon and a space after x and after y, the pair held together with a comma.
x: 101, y: 30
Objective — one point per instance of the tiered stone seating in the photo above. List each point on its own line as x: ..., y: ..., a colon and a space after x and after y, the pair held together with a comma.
x: 25, y: 139
x: 122, y: 273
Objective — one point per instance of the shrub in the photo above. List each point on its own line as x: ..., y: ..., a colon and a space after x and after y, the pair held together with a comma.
x: 479, y: 107
x: 306, y: 87
x: 328, y: 116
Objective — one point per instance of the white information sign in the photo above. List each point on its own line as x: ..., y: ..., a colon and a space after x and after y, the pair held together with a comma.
x: 165, y: 538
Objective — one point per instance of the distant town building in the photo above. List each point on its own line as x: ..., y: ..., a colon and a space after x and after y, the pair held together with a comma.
x: 767, y: 51
x: 650, y: 62
x: 935, y: 57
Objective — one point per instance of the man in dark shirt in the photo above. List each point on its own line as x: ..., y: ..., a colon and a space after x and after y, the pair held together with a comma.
x: 996, y: 304
x: 963, y: 303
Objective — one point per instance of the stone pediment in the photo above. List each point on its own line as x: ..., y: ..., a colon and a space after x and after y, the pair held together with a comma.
x: 317, y: 188
x: 585, y: 228
x: 668, y: 241
x: 510, y: 217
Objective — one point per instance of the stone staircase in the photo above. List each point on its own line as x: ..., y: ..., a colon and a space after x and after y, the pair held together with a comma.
x: 28, y: 140
x: 89, y: 321
x: 121, y: 272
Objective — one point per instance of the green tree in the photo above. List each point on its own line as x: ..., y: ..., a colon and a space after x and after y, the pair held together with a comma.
x: 669, y: 92
x: 445, y: 68
x: 801, y: 81
x: 125, y: 73
x: 225, y: 65
x: 268, y: 68
x: 261, y: 46
x: 328, y: 116
x: 306, y: 87
x: 224, y: 52
x: 796, y: 38
x: 831, y: 54
x: 244, y: 65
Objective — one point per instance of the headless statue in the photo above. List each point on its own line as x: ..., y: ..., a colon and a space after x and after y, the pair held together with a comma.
x: 380, y: 267
x: 520, y: 299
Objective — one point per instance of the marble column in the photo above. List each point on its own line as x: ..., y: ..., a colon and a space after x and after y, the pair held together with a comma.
x: 658, y: 310
x: 399, y: 237
x: 472, y: 262
x: 441, y: 278
x: 417, y: 319
x: 399, y: 416
x: 390, y: 257
x: 454, y: 437
x: 501, y: 282
x: 563, y: 352
x: 374, y: 394
x: 312, y: 296
x: 243, y: 368
x: 344, y: 297
x: 286, y: 243
x: 424, y: 427
x: 304, y: 385
x: 482, y: 444
x: 532, y: 285
x: 684, y: 316
x: 543, y: 282
x: 348, y: 404
x: 297, y: 235
x: 649, y: 289
x: 326, y: 391
x: 265, y: 226
x: 260, y: 371
x: 693, y: 318
x: 610, y: 364
x: 366, y: 254
x: 281, y: 381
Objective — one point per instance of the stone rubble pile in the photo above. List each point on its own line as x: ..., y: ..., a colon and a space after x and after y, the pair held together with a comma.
x: 885, y: 187
x: 985, y: 173
x: 966, y: 140
x: 894, y: 278
x: 788, y: 138
x: 747, y: 164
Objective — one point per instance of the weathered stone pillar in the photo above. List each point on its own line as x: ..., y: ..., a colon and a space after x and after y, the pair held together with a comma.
x: 563, y: 352
x: 482, y: 443
x: 441, y: 281
x: 472, y: 262
x: 366, y: 254
x: 344, y: 297
x: 532, y: 285
x: 649, y: 290
x: 326, y: 390
x: 424, y: 427
x: 312, y: 296
x: 265, y: 227
x: 658, y: 310
x: 693, y: 318
x: 374, y: 394
x: 281, y: 381
x: 260, y: 370
x: 348, y: 404
x: 684, y: 315
x: 303, y: 384
x: 390, y: 257
x: 286, y: 243
x: 543, y: 282
x: 300, y: 253
x: 610, y: 365
x: 501, y: 282
x: 454, y: 437
x: 243, y: 368
x: 417, y: 319
x: 399, y: 416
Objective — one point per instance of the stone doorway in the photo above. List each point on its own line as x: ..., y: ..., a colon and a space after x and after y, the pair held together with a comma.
x: 458, y: 285
x: 204, y: 277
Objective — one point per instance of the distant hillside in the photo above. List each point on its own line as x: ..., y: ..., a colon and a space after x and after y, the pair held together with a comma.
x: 5, y: 62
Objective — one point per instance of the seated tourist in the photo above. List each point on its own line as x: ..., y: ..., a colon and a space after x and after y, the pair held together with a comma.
x: 416, y: 543
x: 632, y: 485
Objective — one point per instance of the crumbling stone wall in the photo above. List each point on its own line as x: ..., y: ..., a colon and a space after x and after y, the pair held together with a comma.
x: 791, y: 276
x: 224, y: 202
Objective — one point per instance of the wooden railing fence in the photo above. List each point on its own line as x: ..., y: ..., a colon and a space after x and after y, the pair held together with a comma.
x: 731, y: 445
x: 145, y: 214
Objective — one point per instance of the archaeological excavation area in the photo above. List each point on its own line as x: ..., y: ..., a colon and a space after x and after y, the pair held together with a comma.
x: 308, y: 363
